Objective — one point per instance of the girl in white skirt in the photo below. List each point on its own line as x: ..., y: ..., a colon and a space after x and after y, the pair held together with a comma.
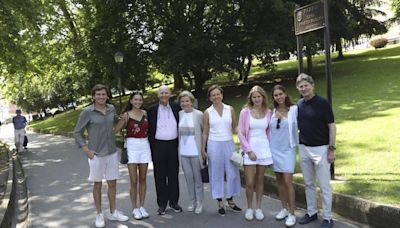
x: 138, y: 147
x: 253, y: 133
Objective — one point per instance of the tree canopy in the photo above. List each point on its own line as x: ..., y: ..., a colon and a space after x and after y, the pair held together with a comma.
x: 53, y: 52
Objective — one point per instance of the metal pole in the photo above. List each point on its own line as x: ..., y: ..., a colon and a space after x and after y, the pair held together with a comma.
x: 300, y: 54
x: 120, y: 88
x: 328, y: 71
x: 299, y: 40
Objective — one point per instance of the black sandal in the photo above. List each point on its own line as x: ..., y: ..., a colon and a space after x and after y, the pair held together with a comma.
x: 234, y: 207
x: 221, y: 209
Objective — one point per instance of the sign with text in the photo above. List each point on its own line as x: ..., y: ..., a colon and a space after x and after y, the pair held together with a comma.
x: 309, y: 18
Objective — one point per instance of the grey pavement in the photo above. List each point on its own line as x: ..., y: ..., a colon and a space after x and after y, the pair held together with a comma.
x: 61, y: 196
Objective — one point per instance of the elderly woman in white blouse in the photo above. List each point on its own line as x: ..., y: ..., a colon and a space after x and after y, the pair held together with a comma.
x: 190, y: 133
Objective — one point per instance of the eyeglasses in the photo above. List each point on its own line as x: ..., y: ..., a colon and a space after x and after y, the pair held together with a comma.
x: 278, y: 125
x: 136, y: 91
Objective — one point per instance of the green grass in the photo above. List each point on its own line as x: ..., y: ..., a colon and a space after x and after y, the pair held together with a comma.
x: 366, y: 102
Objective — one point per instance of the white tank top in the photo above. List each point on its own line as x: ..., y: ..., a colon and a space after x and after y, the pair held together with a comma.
x: 220, y: 126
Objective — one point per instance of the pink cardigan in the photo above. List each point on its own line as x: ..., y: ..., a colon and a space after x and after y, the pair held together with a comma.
x: 244, y: 128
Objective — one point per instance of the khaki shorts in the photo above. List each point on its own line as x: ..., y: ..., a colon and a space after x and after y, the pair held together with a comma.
x: 103, y: 168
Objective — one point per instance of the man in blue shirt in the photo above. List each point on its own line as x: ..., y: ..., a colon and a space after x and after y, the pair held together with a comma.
x: 317, y: 131
x: 19, y: 122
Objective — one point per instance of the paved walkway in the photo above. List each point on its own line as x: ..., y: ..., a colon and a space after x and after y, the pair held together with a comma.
x: 61, y: 196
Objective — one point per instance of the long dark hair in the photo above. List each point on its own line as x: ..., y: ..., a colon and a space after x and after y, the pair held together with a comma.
x: 129, y: 106
x: 288, y: 100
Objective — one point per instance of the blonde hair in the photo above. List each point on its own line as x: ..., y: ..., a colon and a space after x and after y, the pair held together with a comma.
x: 262, y: 92
x: 186, y: 93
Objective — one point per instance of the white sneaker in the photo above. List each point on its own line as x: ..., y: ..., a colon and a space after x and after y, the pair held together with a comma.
x: 137, y: 214
x: 199, y: 208
x: 249, y: 215
x: 118, y: 216
x: 191, y: 206
x: 259, y: 214
x: 99, y: 220
x: 144, y: 212
x: 290, y: 220
x: 282, y: 214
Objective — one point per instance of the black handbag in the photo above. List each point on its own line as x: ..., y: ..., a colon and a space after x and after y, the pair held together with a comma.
x: 124, y: 156
x: 124, y: 150
x: 205, y: 178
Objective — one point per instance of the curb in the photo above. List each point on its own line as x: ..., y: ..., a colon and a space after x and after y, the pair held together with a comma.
x: 17, y: 210
x: 349, y: 207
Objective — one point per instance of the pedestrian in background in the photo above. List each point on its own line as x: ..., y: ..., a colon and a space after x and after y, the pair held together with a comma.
x: 284, y: 139
x: 219, y: 122
x: 190, y: 133
x: 19, y: 122
x: 134, y: 119
x: 253, y: 132
x: 98, y: 118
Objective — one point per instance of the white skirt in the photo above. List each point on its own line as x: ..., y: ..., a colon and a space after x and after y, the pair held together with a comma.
x: 138, y: 150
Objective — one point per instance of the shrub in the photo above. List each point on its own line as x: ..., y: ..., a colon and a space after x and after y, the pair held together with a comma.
x: 378, y: 42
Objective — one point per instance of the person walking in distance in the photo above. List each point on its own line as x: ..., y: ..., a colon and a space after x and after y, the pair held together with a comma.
x: 98, y: 118
x: 317, y: 131
x: 163, y: 138
x: 19, y: 122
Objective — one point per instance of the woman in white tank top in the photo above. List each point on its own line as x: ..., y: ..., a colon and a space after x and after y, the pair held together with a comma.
x: 217, y: 145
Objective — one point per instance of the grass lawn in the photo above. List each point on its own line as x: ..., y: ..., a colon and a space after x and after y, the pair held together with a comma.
x: 366, y: 103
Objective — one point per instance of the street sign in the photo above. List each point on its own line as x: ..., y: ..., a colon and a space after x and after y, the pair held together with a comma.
x: 309, y: 18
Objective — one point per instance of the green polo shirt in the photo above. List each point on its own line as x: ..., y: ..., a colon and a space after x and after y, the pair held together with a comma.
x: 100, y: 130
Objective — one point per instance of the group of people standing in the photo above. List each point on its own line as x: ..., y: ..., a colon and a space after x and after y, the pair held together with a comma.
x: 169, y: 134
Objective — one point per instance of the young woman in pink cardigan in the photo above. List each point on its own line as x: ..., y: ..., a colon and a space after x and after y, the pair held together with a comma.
x: 253, y: 133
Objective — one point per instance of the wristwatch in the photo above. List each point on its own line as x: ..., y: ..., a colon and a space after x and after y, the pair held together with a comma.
x: 332, y: 147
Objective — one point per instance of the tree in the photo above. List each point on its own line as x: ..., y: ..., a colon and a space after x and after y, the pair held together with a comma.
x: 396, y: 9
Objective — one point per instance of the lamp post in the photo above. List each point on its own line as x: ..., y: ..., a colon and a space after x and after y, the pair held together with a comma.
x: 119, y: 59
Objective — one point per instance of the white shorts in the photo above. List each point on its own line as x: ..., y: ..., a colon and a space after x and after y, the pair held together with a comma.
x: 138, y: 150
x: 103, y: 168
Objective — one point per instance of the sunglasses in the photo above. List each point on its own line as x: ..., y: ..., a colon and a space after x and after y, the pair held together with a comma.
x: 278, y: 125
x: 136, y: 91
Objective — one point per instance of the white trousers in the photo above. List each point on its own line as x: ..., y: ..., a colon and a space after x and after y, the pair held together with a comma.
x: 314, y: 163
x: 19, y: 136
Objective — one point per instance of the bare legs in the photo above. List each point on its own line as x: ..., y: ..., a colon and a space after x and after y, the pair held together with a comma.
x: 133, y: 175
x: 254, y: 173
x: 286, y: 191
x: 112, y: 189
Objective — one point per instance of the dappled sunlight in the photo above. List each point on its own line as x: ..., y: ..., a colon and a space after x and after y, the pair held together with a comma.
x: 380, y: 58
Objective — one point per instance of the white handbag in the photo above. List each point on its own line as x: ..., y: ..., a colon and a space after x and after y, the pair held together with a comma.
x: 237, y: 158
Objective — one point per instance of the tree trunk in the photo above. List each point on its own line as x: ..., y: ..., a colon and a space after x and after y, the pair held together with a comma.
x: 339, y: 48
x: 248, y: 68
x: 178, y: 81
x: 309, y: 62
x: 240, y: 69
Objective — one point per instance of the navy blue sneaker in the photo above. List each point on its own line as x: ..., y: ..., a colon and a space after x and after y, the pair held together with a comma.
x: 176, y: 208
x: 307, y: 219
x: 161, y: 210
x: 326, y: 223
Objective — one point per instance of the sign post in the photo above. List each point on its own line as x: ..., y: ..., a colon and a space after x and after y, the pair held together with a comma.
x: 310, y: 18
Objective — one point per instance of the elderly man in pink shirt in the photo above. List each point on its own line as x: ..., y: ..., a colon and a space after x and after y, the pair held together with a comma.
x: 163, y: 137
